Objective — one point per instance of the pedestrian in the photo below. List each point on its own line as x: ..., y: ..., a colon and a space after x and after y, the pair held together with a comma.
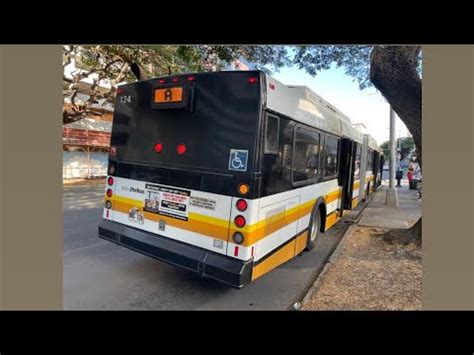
x: 410, y: 174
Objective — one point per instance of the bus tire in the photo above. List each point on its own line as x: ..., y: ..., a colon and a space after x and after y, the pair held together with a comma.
x: 314, y: 229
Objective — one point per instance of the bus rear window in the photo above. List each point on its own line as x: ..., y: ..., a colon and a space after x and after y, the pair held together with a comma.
x: 194, y: 126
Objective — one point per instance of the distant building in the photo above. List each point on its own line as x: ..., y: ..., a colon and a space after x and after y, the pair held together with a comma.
x: 86, y: 142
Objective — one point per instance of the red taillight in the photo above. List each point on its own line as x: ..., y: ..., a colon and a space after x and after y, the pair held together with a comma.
x: 112, y: 151
x: 241, y: 205
x: 181, y: 149
x: 161, y: 81
x: 239, y: 221
x: 191, y: 78
x: 119, y: 90
x: 110, y: 180
x: 175, y: 80
x: 158, y: 147
x: 272, y: 87
x: 252, y: 80
x: 109, y: 192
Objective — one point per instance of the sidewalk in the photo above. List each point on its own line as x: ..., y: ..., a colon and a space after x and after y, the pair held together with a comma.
x: 377, y: 214
x: 367, y: 273
x: 93, y: 181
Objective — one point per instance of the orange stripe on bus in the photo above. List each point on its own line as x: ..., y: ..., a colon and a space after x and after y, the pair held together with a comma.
x: 200, y: 227
x: 252, y: 233
x: 282, y: 255
x: 331, y: 219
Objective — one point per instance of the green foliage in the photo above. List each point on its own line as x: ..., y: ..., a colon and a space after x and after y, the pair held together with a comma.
x: 113, y: 61
x: 354, y: 59
x: 406, y: 144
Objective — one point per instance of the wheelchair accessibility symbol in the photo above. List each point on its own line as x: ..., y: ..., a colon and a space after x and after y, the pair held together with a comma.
x: 238, y: 160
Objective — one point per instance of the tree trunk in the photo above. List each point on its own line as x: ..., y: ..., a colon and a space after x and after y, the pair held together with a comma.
x: 393, y: 71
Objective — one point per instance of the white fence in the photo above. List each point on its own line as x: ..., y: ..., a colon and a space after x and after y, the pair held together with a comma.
x: 84, y: 165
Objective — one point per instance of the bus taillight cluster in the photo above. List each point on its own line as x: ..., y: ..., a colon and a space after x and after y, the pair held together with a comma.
x: 180, y: 148
x: 240, y: 221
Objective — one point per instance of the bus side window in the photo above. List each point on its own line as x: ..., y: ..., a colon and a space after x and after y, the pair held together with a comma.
x: 272, y: 124
x: 306, y: 155
x: 277, y: 167
x: 369, y: 159
x: 331, y: 149
x: 357, y: 163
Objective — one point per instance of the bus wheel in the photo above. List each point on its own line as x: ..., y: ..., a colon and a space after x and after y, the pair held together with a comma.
x: 314, y: 229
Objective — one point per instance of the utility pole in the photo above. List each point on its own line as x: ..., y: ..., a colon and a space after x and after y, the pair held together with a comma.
x: 392, y: 197
x: 393, y: 150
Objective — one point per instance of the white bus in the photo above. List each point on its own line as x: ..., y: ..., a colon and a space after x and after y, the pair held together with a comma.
x: 230, y: 174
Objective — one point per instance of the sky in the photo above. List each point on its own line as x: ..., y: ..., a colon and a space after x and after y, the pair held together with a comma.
x: 362, y: 106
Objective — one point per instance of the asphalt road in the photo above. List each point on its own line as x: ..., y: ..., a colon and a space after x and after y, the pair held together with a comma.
x: 101, y: 275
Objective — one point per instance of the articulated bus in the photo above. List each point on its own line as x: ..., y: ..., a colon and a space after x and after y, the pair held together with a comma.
x: 230, y: 174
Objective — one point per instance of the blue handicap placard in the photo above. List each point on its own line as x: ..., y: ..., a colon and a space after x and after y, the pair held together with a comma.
x: 238, y: 160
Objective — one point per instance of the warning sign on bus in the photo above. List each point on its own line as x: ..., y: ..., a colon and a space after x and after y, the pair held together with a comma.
x: 167, y: 201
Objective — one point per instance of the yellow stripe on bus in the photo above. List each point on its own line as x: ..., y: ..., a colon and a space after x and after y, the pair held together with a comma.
x: 355, y: 200
x: 222, y: 229
x: 282, y: 255
x: 331, y: 219
x: 209, y: 229
x: 301, y: 242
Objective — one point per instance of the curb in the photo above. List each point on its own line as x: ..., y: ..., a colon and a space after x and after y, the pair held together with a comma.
x: 334, y: 256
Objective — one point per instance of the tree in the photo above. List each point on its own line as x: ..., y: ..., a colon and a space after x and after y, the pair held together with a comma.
x: 113, y: 63
x: 393, y: 70
x: 406, y: 146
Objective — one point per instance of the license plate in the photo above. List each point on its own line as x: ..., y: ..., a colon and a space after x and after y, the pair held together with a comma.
x: 169, y: 95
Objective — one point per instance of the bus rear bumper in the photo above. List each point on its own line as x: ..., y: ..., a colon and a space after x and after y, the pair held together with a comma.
x: 233, y: 272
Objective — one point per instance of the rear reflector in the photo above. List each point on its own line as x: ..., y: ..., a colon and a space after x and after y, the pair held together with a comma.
x: 158, y: 147
x: 181, y: 149
x: 236, y: 251
x: 252, y: 80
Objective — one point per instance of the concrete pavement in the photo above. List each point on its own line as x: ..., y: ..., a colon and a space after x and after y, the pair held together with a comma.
x: 379, y: 215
